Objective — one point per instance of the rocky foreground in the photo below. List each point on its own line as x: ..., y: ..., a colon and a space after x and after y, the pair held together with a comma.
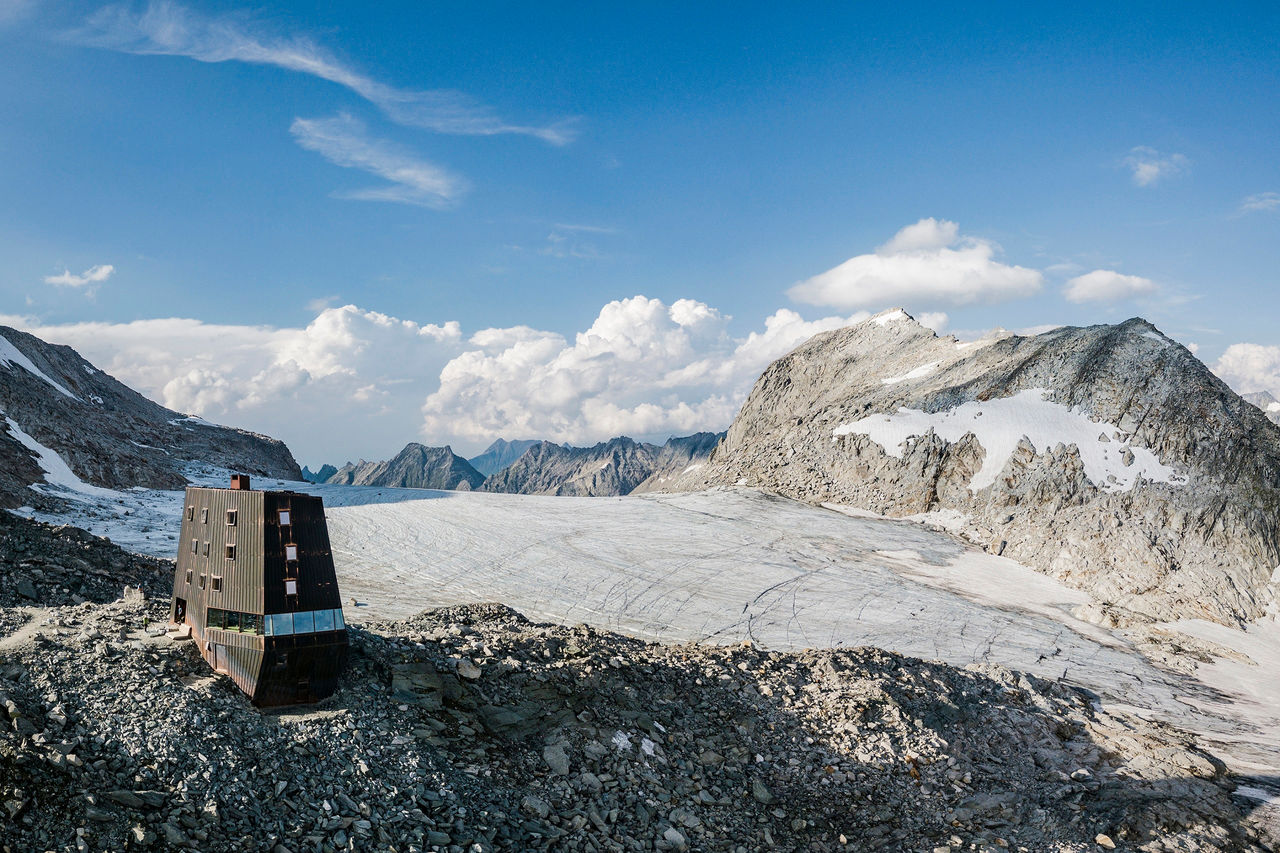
x: 474, y: 729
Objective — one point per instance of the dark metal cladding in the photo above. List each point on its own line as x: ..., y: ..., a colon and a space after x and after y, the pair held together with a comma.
x: 255, y: 581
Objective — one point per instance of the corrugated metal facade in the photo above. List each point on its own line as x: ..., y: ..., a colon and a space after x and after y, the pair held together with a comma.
x: 272, y: 670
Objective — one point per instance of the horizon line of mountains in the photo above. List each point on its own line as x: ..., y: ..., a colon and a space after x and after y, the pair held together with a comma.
x: 619, y: 466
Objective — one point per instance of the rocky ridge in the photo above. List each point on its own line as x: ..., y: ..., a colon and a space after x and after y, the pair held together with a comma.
x: 1150, y: 484
x: 414, y: 467
x: 619, y: 466
x: 320, y: 476
x: 107, y: 434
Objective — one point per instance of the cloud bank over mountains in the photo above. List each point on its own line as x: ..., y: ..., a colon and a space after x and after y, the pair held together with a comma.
x: 354, y: 378
x: 359, y: 381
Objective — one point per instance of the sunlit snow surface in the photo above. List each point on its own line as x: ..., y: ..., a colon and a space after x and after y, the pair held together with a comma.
x: 735, y: 564
x: 1001, y: 423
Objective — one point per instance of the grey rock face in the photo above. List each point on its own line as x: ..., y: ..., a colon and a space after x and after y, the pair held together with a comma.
x: 619, y: 466
x: 1266, y: 401
x: 108, y: 434
x: 499, y: 455
x: 415, y: 467
x: 1172, y: 510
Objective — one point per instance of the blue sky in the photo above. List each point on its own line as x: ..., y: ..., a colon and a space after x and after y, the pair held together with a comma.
x: 489, y: 187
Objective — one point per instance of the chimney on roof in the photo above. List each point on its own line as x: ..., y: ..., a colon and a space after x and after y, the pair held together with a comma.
x: 240, y: 481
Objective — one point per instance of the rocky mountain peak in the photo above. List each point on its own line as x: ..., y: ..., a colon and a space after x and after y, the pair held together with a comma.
x: 1108, y: 456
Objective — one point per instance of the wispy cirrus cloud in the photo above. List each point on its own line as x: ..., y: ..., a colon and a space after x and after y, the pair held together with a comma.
x: 170, y: 29
x: 344, y: 141
x: 1149, y: 166
x: 92, y: 276
x: 1260, y: 202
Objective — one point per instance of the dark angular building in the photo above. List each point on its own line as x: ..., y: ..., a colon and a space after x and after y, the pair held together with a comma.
x: 256, y: 583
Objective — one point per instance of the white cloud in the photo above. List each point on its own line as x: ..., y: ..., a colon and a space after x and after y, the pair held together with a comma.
x: 1260, y: 202
x: 1106, y: 286
x: 1148, y: 166
x: 167, y: 28
x: 926, y: 264
x: 1250, y: 367
x: 93, y: 275
x: 342, y: 140
x: 644, y: 369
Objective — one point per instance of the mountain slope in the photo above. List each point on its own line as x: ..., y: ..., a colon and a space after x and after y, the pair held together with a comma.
x: 414, y: 467
x: 613, y: 467
x: 677, y: 457
x: 1108, y: 456
x: 499, y: 455
x: 66, y: 421
x: 1267, y: 402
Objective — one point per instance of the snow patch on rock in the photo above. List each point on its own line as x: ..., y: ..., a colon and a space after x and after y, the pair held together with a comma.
x: 9, y: 355
x: 919, y: 373
x: 1001, y: 423
x: 56, y: 470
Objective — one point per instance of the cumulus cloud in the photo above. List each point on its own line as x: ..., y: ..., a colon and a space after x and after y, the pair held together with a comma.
x: 1250, y: 367
x: 925, y: 264
x: 343, y: 141
x: 1148, y: 166
x: 1260, y: 202
x: 170, y: 29
x: 644, y: 368
x: 93, y: 275
x: 1106, y: 286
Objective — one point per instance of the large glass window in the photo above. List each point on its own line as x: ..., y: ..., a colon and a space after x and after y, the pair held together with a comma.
x: 338, y: 622
x: 304, y: 623
x: 233, y: 621
x: 251, y: 623
x: 324, y: 620
x: 281, y: 624
x: 216, y: 618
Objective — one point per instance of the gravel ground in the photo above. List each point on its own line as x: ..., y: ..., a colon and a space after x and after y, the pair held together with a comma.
x: 474, y: 729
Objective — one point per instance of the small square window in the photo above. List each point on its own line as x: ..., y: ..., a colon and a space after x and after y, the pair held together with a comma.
x: 188, y: 577
x: 291, y: 552
x: 290, y: 587
x: 191, y: 513
x: 202, y: 581
x: 231, y: 518
x: 217, y: 583
x: 195, y: 546
x: 230, y: 551
x: 284, y: 518
x: 206, y: 549
x: 204, y: 515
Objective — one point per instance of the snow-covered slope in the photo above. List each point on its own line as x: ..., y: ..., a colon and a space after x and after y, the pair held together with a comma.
x: 1108, y: 457
x: 65, y: 423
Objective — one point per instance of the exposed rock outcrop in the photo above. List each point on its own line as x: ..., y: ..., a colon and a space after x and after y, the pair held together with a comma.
x: 1108, y: 456
x: 415, y: 467
x: 59, y: 410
